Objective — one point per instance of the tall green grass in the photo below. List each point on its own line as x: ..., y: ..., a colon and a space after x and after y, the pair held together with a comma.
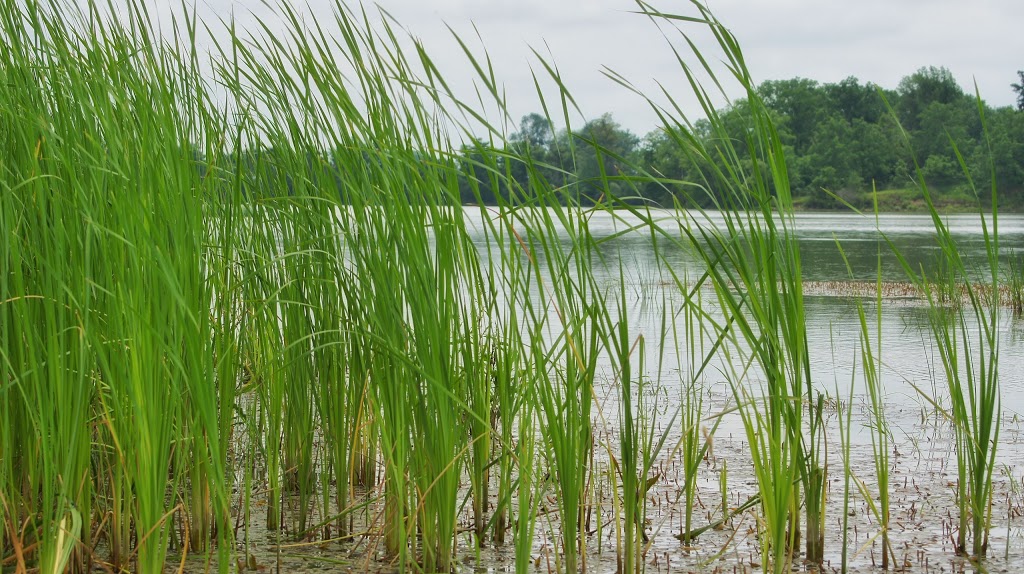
x: 111, y: 300
x: 261, y: 287
x: 966, y: 335
x: 694, y: 445
x: 754, y: 264
x: 881, y: 436
x: 639, y: 444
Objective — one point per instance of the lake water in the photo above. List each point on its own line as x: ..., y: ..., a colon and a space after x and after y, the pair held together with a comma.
x: 831, y: 313
x: 923, y: 463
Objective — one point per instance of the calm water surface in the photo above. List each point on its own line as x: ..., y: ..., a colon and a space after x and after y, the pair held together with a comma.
x: 832, y: 321
x: 923, y: 460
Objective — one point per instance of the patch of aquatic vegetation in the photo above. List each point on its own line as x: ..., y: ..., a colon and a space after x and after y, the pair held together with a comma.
x: 245, y: 323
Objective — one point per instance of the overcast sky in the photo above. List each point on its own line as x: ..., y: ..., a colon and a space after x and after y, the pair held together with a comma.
x: 825, y: 40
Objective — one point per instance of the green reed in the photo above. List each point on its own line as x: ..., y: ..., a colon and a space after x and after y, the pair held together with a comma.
x: 966, y: 334
x: 564, y: 336
x: 1015, y: 284
x: 628, y: 360
x: 754, y: 264
x: 511, y: 399
x: 693, y: 445
x: 529, y: 487
x: 565, y: 396
x: 338, y: 395
x: 292, y: 256
x: 844, y: 412
x: 480, y: 390
x: 175, y: 253
x: 107, y: 121
x: 881, y: 436
x: 42, y: 353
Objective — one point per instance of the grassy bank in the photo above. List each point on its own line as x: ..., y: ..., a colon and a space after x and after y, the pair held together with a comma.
x: 910, y: 200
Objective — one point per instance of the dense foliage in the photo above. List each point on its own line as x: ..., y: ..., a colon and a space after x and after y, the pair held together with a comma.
x: 841, y: 140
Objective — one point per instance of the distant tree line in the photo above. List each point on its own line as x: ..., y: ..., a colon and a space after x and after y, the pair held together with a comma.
x: 842, y: 139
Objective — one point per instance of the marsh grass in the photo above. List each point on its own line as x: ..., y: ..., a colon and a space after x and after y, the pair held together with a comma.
x: 106, y: 238
x: 639, y: 443
x: 1015, y: 283
x: 881, y: 436
x: 274, y: 296
x: 754, y: 265
x: 844, y: 412
x: 966, y: 337
x: 529, y: 489
x: 695, y: 439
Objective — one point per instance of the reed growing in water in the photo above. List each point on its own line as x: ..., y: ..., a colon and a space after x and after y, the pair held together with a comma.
x: 271, y: 286
x: 966, y: 337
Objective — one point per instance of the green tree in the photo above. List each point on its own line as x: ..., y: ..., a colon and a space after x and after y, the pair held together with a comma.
x: 535, y: 130
x: 940, y: 170
x: 830, y: 162
x: 604, y: 146
x: 660, y: 154
x: 838, y: 137
x: 855, y: 101
x: 803, y: 102
x: 1006, y: 132
x: 874, y: 148
x: 939, y: 124
x: 479, y: 181
x: 1019, y: 88
x: 923, y: 88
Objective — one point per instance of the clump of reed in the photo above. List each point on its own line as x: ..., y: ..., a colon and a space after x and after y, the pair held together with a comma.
x: 753, y: 263
x: 871, y: 362
x: 966, y: 336
x: 270, y: 287
x: 695, y: 440
x: 295, y: 262
x: 109, y: 347
x: 1015, y: 286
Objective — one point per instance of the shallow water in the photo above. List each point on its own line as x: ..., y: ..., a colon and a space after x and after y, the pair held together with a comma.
x: 923, y: 461
x: 923, y: 471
